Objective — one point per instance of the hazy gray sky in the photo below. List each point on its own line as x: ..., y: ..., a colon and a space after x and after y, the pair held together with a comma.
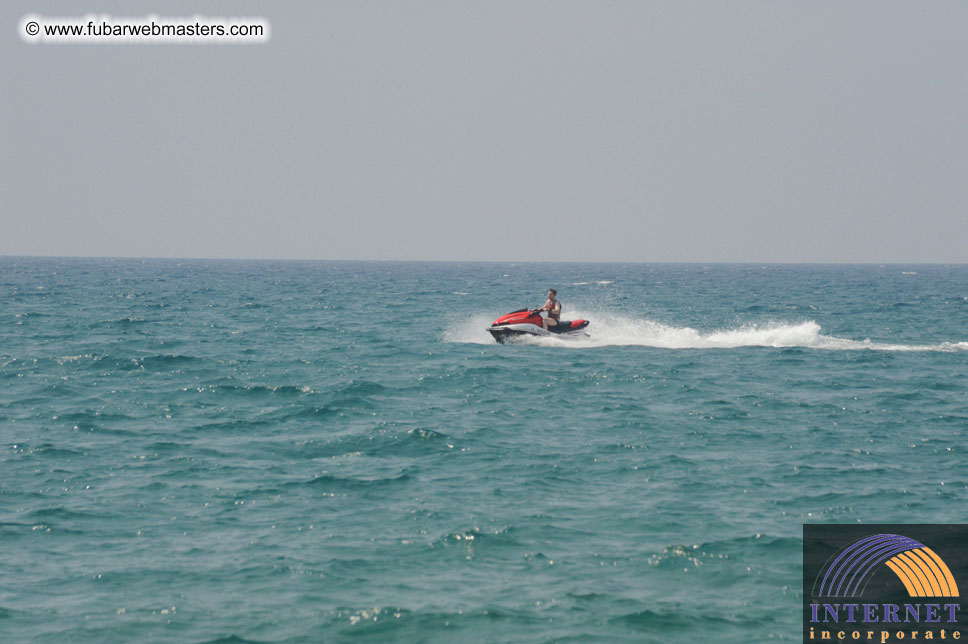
x: 573, y: 131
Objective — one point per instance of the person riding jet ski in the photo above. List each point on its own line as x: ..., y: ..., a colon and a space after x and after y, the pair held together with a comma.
x: 545, y: 321
x: 553, y: 307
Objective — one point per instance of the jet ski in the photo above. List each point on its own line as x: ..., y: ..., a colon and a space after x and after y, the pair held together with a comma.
x: 527, y: 322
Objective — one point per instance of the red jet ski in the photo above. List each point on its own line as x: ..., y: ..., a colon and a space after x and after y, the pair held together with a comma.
x: 527, y: 322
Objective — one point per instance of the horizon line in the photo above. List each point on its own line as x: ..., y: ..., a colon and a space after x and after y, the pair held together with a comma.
x: 489, y: 261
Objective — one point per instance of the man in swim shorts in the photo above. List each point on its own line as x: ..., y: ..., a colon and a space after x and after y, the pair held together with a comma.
x: 553, y: 307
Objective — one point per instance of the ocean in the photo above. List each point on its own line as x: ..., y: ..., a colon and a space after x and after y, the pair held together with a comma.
x: 285, y: 451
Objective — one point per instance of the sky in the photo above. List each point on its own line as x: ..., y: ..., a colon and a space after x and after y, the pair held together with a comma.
x: 656, y: 131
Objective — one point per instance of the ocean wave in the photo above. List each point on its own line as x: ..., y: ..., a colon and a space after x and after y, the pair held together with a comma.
x: 125, y: 321
x: 678, y: 555
x: 607, y: 330
x: 381, y: 615
x: 476, y: 536
x: 248, y: 390
x: 309, y: 412
x: 362, y: 388
x: 166, y: 361
x: 415, y: 442
x: 234, y: 639
x: 330, y: 482
x: 48, y: 450
x: 60, y: 513
x: 153, y: 363
x: 677, y: 620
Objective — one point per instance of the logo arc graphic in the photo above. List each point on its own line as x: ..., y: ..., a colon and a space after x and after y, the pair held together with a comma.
x: 922, y: 572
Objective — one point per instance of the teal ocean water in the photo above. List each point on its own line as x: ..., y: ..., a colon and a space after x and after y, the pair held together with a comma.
x: 242, y: 451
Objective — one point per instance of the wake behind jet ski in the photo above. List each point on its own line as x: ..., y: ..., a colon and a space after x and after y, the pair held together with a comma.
x: 529, y: 322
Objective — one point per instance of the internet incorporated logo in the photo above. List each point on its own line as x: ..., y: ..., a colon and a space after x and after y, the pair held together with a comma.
x: 922, y: 572
x: 910, y: 592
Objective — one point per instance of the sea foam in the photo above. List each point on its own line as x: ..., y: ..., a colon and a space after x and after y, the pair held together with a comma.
x: 607, y: 330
